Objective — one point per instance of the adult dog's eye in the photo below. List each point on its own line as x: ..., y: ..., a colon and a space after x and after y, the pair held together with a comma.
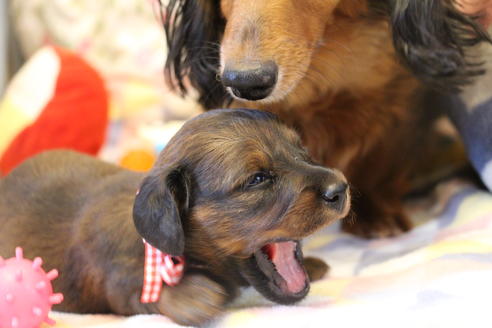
x: 258, y: 178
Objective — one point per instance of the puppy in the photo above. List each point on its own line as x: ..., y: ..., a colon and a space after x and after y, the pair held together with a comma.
x: 233, y: 194
x: 344, y: 73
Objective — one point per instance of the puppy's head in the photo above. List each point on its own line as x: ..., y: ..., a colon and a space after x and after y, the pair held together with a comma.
x: 235, y: 186
x: 270, y: 50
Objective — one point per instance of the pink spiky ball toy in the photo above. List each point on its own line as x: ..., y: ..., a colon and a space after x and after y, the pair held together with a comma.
x: 26, y: 294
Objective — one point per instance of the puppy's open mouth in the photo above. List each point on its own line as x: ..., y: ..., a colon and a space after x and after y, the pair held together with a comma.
x: 276, y: 271
x: 280, y: 262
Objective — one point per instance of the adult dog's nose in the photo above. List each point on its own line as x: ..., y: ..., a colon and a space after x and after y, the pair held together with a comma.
x: 335, y: 195
x: 252, y: 83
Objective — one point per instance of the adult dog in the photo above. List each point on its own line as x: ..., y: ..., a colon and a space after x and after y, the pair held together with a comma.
x: 233, y: 193
x: 344, y: 73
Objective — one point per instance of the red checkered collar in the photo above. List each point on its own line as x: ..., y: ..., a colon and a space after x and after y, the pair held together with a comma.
x: 159, y: 267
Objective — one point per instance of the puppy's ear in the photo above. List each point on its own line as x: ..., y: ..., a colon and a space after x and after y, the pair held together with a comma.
x: 194, y: 30
x: 160, y: 207
x: 432, y: 36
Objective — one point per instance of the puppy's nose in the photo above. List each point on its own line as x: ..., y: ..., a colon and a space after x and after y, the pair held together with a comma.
x: 335, y: 195
x: 252, y: 83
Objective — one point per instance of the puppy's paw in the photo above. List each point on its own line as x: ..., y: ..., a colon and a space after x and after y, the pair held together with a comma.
x: 194, y: 302
x: 377, y: 221
x: 381, y: 227
x: 316, y: 268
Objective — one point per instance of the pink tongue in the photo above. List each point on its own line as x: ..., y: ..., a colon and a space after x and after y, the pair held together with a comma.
x: 282, y: 255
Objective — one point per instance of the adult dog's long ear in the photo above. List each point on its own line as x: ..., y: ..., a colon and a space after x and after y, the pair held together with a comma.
x: 432, y: 37
x: 194, y: 30
x: 160, y: 208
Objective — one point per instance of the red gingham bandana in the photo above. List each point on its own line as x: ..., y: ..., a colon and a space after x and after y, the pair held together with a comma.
x: 158, y: 267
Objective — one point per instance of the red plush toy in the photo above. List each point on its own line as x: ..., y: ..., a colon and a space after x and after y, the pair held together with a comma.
x: 75, y: 117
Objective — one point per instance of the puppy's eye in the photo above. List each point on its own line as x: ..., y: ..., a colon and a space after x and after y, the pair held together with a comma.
x: 258, y: 178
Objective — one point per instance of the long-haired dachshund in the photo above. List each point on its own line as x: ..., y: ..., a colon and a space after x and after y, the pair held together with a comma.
x: 233, y: 193
x: 344, y: 73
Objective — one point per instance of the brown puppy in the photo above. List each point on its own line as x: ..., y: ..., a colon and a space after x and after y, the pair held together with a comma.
x: 333, y: 70
x: 233, y: 192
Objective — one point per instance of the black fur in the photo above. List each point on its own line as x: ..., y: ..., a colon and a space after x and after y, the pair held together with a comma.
x: 194, y: 30
x: 432, y: 37
x: 160, y: 209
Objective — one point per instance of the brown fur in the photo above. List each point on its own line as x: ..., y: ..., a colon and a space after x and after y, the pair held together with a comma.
x: 352, y: 115
x: 333, y: 70
x: 198, y: 201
